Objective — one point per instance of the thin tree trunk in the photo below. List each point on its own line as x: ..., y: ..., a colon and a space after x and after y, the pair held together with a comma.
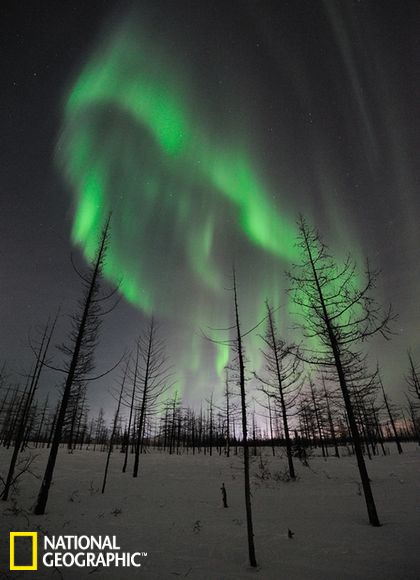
x: 114, y: 428
x: 330, y: 421
x: 143, y: 402
x: 281, y: 393
x: 131, y: 412
x: 391, y: 418
x: 251, y: 546
x: 49, y: 471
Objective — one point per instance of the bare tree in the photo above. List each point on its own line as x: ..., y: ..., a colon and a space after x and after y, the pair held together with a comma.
x: 210, y: 423
x: 328, y: 408
x: 414, y: 419
x: 154, y: 380
x: 240, y: 354
x: 283, y: 382
x: 40, y: 355
x: 228, y: 413
x: 131, y: 405
x: 42, y: 422
x: 99, y: 428
x: 80, y: 352
x: 339, y: 314
x: 391, y: 417
x: 413, y: 378
x: 114, y: 428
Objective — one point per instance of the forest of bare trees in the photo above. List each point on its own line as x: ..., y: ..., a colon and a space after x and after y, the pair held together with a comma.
x: 323, y: 395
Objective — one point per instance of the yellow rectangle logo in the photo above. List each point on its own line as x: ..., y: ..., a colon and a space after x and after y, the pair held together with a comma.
x: 34, y: 536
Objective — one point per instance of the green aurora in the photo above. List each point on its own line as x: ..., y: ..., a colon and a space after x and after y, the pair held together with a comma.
x: 186, y: 200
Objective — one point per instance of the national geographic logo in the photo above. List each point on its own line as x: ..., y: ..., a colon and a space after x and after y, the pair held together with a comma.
x: 67, y: 551
x: 34, y: 550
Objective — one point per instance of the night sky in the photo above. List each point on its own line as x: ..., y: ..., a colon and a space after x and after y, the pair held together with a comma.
x: 206, y: 127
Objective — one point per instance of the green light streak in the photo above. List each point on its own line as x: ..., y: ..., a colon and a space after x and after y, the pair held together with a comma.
x: 182, y: 195
x: 121, y: 78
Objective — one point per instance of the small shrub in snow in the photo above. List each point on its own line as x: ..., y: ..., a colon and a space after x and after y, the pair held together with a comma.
x: 282, y: 476
x: 263, y: 472
x: 197, y: 527
x: 93, y: 490
x: 74, y: 496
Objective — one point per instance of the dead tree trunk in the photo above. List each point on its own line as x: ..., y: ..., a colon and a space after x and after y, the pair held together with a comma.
x: 143, y: 402
x: 82, y: 327
x: 247, y: 489
x: 391, y: 419
x: 114, y: 429
x: 130, y: 417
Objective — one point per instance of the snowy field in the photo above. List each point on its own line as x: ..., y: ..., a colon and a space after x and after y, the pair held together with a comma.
x: 174, y: 512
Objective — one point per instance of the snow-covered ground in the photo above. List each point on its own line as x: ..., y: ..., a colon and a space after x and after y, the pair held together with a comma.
x: 174, y: 512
